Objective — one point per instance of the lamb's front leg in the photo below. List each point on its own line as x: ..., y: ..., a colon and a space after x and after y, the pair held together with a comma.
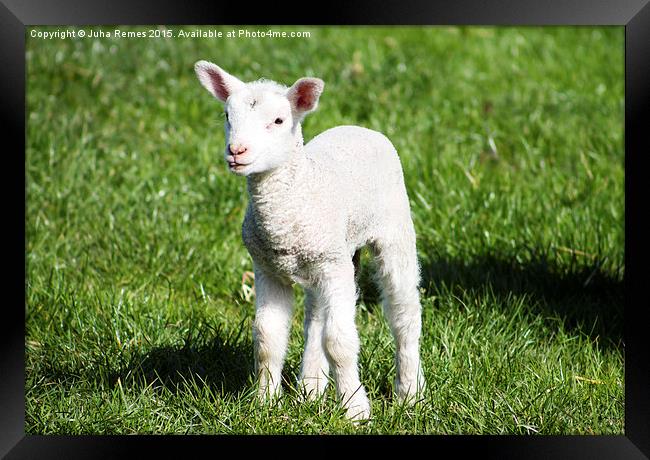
x: 315, y: 367
x: 273, y: 312
x: 337, y: 291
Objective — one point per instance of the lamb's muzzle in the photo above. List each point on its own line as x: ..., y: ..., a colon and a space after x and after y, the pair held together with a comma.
x: 311, y: 208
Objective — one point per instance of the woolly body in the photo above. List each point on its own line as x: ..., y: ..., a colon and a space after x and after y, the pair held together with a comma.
x: 344, y: 191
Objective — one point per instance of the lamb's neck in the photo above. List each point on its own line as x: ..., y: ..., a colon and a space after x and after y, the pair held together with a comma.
x: 274, y: 192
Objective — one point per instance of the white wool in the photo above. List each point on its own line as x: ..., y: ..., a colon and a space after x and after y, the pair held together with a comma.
x: 311, y: 207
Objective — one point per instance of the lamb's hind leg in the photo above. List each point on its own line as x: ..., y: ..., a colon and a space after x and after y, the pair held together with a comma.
x: 398, y: 276
x: 315, y: 367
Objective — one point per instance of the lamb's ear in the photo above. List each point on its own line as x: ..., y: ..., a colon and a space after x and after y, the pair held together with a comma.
x: 303, y: 95
x: 216, y: 80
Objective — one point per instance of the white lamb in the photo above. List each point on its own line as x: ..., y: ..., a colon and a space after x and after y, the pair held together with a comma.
x: 311, y: 208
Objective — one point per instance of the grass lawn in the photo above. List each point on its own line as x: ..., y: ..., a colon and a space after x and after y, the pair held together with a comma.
x: 511, y: 140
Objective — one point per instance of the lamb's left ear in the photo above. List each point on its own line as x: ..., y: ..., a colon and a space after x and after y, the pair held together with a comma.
x: 303, y: 95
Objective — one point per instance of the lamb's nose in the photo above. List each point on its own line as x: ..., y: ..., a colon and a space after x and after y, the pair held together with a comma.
x: 237, y: 149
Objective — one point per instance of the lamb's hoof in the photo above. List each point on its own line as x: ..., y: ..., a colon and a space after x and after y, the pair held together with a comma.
x: 310, y: 395
x: 409, y: 392
x: 311, y: 389
x: 358, y: 409
x: 268, y: 395
x: 357, y: 416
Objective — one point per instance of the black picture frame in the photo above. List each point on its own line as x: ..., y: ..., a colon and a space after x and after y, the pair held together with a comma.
x: 16, y: 15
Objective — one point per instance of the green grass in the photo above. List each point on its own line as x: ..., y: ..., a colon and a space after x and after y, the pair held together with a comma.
x: 512, y: 145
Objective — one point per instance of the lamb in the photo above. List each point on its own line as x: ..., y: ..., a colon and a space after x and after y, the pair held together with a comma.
x: 311, y: 208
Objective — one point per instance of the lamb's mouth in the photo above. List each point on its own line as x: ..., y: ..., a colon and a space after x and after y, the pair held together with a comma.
x: 235, y: 167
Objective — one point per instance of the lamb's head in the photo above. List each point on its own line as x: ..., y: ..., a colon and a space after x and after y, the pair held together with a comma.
x: 262, y: 118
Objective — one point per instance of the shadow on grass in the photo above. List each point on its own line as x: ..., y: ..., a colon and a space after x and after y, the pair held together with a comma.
x: 585, y: 294
x: 223, y: 362
x: 224, y: 365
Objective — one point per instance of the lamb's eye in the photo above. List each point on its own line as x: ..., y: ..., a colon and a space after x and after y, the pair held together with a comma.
x: 278, y: 121
x: 227, y: 116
